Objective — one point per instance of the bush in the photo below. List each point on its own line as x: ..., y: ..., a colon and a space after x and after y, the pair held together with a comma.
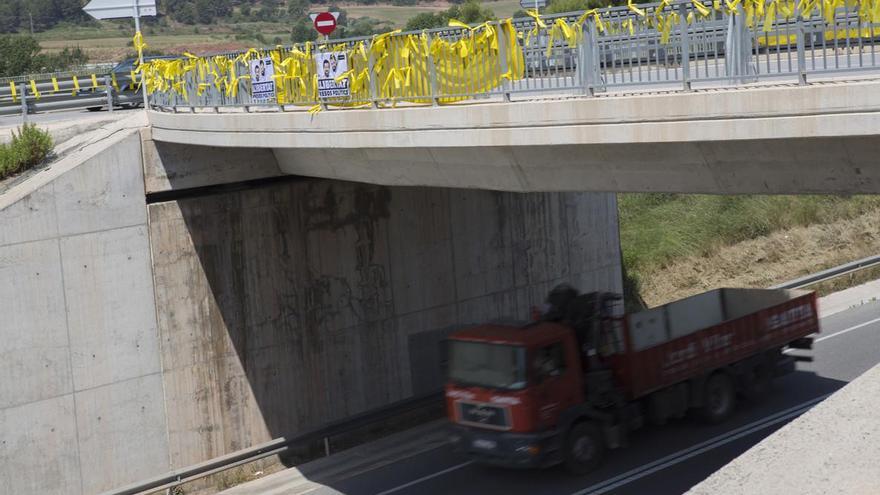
x: 29, y: 147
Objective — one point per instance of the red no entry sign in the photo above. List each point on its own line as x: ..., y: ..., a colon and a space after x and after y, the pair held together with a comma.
x: 325, y: 22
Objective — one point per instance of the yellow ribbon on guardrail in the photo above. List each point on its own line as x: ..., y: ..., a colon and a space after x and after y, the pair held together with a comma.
x: 75, y: 85
x: 13, y: 91
x: 55, y: 87
x: 34, y: 89
x: 139, y: 44
x: 475, y: 62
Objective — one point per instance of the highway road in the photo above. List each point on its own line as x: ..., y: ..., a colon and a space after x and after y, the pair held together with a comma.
x: 660, y: 460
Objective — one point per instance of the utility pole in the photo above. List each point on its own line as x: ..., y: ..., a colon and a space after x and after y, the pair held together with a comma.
x: 31, y: 16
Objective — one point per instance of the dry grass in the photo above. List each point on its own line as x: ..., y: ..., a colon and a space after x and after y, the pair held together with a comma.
x: 765, y: 261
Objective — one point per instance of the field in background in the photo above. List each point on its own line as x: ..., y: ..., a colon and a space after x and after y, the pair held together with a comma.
x: 679, y: 245
x: 110, y: 40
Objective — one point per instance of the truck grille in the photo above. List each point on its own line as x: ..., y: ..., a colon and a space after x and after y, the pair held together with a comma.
x: 484, y: 415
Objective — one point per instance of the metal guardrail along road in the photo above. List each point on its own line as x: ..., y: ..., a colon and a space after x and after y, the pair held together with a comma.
x: 63, y: 91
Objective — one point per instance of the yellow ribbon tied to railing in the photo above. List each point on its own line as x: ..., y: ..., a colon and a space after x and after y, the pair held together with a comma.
x: 13, y: 91
x: 34, y: 89
x: 139, y: 44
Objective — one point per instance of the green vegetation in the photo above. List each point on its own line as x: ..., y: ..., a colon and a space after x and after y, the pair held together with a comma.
x: 21, y: 54
x: 469, y: 12
x: 29, y: 147
x: 561, y: 6
x: 657, y: 229
x: 38, y: 15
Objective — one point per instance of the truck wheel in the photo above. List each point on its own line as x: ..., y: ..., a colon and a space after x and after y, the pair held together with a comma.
x: 584, y: 449
x: 719, y: 398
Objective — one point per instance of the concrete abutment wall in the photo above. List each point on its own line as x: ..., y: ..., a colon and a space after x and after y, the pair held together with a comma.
x: 140, y: 338
x: 288, y: 306
x: 81, y: 395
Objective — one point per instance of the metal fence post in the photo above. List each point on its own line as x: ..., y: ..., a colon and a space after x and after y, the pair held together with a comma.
x: 745, y: 47
x: 587, y: 60
x: 504, y: 63
x: 432, y: 79
x: 371, y: 66
x: 109, y: 90
x: 685, y: 47
x: 801, y: 56
x: 22, y: 91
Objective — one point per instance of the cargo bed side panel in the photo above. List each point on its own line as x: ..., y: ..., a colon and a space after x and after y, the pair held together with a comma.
x: 720, y: 345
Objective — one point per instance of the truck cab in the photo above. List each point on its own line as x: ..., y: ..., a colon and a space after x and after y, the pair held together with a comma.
x: 509, y: 388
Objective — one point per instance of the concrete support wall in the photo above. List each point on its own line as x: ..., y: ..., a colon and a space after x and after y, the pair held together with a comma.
x: 81, y: 398
x: 289, y: 306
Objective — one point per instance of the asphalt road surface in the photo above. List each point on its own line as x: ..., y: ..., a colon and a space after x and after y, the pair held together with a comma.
x: 660, y: 460
x: 59, y: 116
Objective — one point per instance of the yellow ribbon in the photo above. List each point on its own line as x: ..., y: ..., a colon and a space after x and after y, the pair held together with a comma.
x: 14, y: 92
x: 639, y: 12
x: 34, y: 89
x: 702, y: 9
x: 55, y: 88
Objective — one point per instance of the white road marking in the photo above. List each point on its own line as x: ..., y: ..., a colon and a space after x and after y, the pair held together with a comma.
x: 700, y: 448
x: 426, y: 478
x: 850, y: 329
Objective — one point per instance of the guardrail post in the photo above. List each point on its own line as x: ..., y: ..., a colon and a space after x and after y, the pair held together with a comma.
x: 109, y: 90
x: 22, y: 91
x: 432, y: 78
x: 504, y: 64
x: 374, y: 94
x: 685, y: 47
x: 587, y: 59
x: 801, y: 56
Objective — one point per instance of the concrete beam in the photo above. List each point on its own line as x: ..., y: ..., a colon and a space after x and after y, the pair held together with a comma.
x: 813, y: 139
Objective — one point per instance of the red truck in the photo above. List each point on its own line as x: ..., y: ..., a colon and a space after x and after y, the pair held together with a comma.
x: 571, y: 385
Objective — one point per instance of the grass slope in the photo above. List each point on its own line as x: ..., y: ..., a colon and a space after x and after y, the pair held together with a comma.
x: 708, y: 237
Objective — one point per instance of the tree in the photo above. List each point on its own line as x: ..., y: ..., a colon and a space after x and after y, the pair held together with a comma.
x: 17, y: 54
x: 472, y: 12
x: 71, y: 11
x: 187, y: 14
x: 297, y: 9
x: 10, y: 16
x: 561, y: 6
x: 302, y: 31
x: 204, y: 11
x: 425, y: 20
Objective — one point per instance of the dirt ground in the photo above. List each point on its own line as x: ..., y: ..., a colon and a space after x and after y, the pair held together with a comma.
x: 782, y: 256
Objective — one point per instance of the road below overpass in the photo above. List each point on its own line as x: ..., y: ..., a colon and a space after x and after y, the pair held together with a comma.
x: 660, y: 460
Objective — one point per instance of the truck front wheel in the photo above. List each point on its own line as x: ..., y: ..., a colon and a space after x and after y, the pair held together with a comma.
x: 719, y: 398
x: 584, y: 448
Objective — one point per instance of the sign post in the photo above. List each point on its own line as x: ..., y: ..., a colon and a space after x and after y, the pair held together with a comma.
x: 115, y: 9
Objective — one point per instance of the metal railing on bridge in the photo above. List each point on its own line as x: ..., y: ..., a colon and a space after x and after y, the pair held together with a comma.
x: 665, y: 46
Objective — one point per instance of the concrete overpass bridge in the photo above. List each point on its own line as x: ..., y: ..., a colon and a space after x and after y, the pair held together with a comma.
x: 221, y: 271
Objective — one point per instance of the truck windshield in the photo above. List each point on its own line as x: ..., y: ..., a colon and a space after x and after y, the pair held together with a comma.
x: 487, y: 365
